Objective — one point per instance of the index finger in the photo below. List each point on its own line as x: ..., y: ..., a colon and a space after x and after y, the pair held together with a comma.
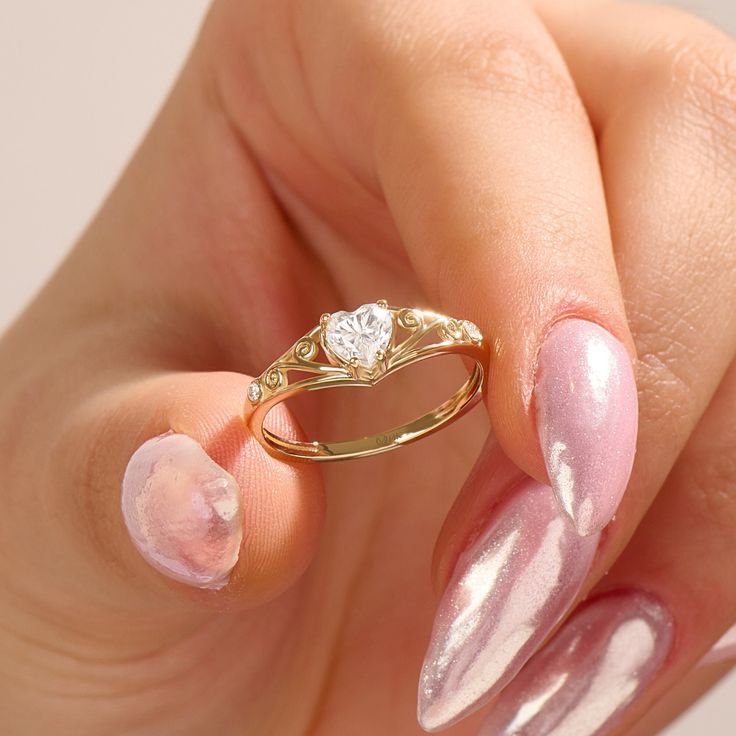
x: 488, y: 163
x: 463, y: 119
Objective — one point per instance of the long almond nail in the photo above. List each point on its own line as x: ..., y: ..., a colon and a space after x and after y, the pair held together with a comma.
x: 582, y: 682
x: 723, y: 650
x: 183, y: 511
x: 509, y: 589
x: 587, y: 419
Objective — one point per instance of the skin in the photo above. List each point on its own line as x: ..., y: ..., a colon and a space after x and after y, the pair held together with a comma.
x: 303, y: 163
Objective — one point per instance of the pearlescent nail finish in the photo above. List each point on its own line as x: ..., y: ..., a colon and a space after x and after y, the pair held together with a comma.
x: 587, y: 417
x: 723, y: 650
x: 581, y: 683
x: 183, y: 511
x: 509, y: 589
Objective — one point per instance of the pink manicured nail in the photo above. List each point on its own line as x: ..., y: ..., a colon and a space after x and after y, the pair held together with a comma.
x: 183, y: 511
x: 509, y: 589
x: 587, y: 419
x: 581, y: 683
x: 723, y: 650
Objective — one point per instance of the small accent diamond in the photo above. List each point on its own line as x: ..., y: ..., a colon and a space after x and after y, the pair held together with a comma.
x: 472, y: 330
x: 255, y: 392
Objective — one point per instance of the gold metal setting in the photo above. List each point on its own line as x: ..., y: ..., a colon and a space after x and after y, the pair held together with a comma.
x: 416, y: 335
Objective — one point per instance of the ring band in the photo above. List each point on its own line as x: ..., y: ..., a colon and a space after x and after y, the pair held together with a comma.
x: 361, y: 348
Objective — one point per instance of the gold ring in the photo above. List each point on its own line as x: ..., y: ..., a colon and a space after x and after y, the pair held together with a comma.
x: 361, y: 348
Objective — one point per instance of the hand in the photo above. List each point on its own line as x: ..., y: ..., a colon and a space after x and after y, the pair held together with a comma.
x: 562, y: 175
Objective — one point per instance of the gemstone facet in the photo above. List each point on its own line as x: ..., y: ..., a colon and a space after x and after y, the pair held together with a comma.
x: 255, y: 392
x: 359, y: 335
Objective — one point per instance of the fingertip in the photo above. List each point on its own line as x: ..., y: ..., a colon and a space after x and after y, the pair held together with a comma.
x: 195, y: 508
x: 282, y: 503
x: 283, y: 511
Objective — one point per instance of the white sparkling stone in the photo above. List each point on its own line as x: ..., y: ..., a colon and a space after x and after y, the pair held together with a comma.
x: 360, y: 334
x: 255, y: 392
x: 472, y: 330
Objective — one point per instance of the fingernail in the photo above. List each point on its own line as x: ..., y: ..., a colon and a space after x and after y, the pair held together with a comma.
x: 723, y: 650
x: 587, y: 418
x: 182, y: 511
x: 509, y: 589
x: 597, y: 664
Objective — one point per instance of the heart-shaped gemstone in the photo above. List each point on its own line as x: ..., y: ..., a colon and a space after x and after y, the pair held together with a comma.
x: 360, y: 334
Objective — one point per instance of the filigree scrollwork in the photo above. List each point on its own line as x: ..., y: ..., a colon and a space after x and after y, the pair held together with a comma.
x: 274, y: 378
x: 450, y: 329
x: 306, y: 349
x: 424, y: 332
x: 301, y: 358
x: 409, y: 319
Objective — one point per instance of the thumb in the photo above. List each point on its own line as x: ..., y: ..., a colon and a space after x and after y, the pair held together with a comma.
x: 208, y: 517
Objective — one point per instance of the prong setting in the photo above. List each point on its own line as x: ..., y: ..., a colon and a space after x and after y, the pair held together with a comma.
x: 359, y: 340
x: 354, y: 367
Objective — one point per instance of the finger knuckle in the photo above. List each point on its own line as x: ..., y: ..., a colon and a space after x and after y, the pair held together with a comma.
x: 665, y: 393
x: 713, y: 498
x: 502, y: 63
x: 700, y: 76
x: 470, y: 54
x: 666, y: 369
x: 708, y: 464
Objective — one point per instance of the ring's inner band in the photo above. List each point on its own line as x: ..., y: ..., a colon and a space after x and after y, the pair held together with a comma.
x: 462, y: 400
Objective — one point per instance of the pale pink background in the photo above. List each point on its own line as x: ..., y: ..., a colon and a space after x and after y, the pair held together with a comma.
x: 79, y: 83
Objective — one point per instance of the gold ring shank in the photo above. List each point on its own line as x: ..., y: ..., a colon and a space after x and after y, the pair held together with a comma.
x: 425, y: 335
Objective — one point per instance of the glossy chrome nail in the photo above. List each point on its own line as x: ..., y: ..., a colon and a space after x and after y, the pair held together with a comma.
x: 587, y: 420
x: 183, y: 511
x: 723, y: 650
x: 509, y: 589
x: 581, y: 683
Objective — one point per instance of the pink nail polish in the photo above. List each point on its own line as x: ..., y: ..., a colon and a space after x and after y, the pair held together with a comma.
x: 587, y: 415
x: 723, y: 650
x: 182, y: 511
x: 581, y: 683
x: 509, y: 589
